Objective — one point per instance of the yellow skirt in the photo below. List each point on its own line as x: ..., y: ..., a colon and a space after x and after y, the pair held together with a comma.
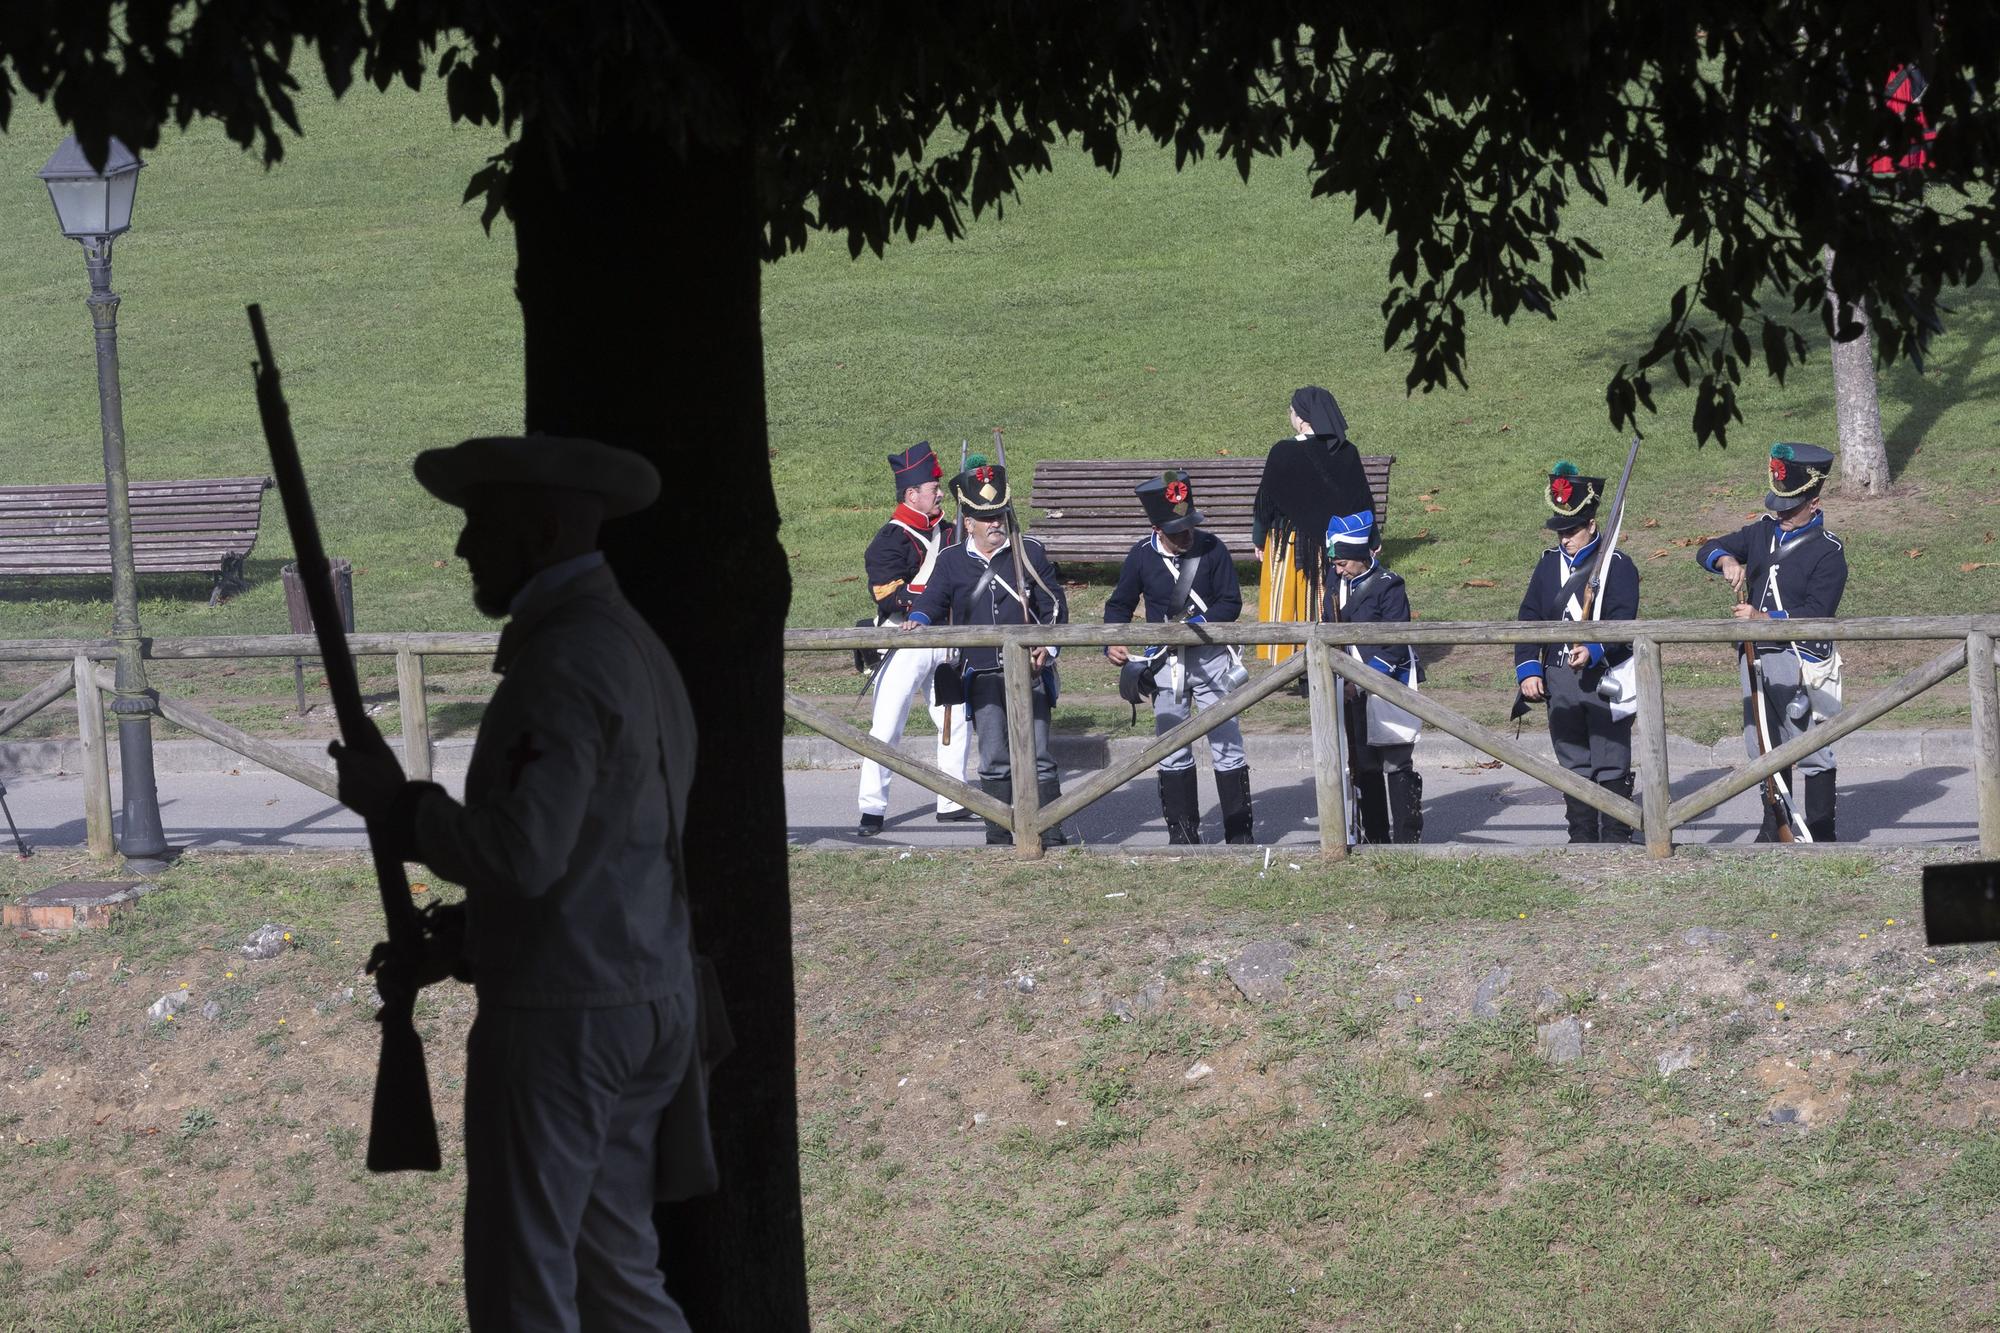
x: 1282, y: 594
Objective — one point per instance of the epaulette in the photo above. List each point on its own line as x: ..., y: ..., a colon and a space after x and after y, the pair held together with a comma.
x: 1837, y: 544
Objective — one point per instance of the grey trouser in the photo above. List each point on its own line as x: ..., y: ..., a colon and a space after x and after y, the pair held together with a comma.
x: 562, y: 1123
x: 1588, y: 741
x: 987, y: 697
x: 1204, y: 668
x: 1781, y: 683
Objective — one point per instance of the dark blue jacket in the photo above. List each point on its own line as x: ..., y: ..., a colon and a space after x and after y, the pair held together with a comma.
x: 1214, y: 595
x: 1377, y: 598
x: 954, y: 595
x: 1545, y: 601
x: 1810, y: 565
x: 892, y: 561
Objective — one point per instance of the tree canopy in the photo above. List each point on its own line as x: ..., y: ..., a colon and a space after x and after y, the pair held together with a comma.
x: 1477, y: 137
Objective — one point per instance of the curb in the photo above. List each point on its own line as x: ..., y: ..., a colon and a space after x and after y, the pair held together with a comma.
x: 1939, y: 747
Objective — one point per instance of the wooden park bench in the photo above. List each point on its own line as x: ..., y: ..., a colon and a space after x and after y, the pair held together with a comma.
x: 178, y: 527
x: 1088, y: 511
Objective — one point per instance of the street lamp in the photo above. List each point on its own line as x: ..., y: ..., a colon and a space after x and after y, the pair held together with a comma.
x: 93, y: 206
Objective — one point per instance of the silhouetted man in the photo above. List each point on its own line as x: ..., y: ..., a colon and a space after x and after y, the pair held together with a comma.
x: 574, y: 929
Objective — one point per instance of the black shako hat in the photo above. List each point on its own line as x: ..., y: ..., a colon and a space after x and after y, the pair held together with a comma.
x: 981, y: 490
x: 1169, y: 501
x: 1798, y: 474
x: 1573, y: 498
x: 915, y: 466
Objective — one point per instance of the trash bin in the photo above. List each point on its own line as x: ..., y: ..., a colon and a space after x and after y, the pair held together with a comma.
x: 300, y: 614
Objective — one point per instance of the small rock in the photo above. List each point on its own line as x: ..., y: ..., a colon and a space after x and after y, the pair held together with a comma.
x: 1670, y: 1062
x: 1485, y: 1000
x: 979, y: 1117
x: 170, y: 1003
x: 76, y: 977
x: 1785, y: 1115
x: 347, y: 993
x: 374, y: 998
x: 1700, y: 937
x: 1152, y: 996
x: 1121, y: 1011
x: 1025, y: 983
x: 39, y: 977
x: 1260, y: 970
x: 1560, y: 1042
x: 1404, y: 1000
x: 1547, y: 1002
x: 1198, y: 1071
x: 267, y: 941
x: 211, y: 1010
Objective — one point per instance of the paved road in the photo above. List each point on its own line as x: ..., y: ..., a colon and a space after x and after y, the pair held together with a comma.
x: 1884, y: 804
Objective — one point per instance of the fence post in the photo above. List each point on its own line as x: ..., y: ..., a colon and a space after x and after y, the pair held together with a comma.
x: 96, y: 759
x: 1985, y: 737
x: 416, y: 718
x: 1655, y: 784
x: 1018, y: 679
x: 1329, y: 777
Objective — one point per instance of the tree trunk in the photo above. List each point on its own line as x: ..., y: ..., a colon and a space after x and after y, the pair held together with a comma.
x: 638, y: 277
x: 1864, y: 460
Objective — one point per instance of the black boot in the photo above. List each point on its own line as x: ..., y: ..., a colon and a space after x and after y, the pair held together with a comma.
x: 1609, y: 829
x: 1046, y: 792
x: 1232, y: 790
x: 1001, y: 790
x: 1406, y: 805
x: 1819, y: 805
x: 1582, y: 820
x: 1374, y: 807
x: 1180, y: 802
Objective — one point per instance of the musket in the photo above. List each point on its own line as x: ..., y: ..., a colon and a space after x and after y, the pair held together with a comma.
x: 402, y: 1129
x: 1591, y: 607
x: 1777, y: 796
x: 1330, y: 601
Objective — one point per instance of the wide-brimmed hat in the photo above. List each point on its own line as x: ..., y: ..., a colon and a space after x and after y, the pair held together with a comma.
x: 1169, y: 502
x: 981, y: 490
x: 1573, y: 498
x: 1798, y: 473
x: 621, y: 479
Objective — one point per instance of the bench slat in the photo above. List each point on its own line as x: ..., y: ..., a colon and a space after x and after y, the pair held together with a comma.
x: 190, y: 527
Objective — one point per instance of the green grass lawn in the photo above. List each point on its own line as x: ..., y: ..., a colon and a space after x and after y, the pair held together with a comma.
x: 987, y: 1144
x: 1155, y: 312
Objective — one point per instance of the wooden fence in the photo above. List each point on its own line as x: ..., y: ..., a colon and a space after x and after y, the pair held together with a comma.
x: 1324, y: 662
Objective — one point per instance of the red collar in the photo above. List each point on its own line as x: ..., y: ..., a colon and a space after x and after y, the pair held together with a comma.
x: 907, y: 515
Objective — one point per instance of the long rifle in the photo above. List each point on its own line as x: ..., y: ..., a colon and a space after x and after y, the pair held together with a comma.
x: 402, y: 1129
x: 1593, y: 596
x: 1777, y: 796
x: 1330, y: 601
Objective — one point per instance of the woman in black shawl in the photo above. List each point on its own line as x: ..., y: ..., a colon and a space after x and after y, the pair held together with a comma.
x: 1307, y: 481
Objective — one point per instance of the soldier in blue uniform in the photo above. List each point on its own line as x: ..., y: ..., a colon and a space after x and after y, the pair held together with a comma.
x: 1184, y: 574
x: 998, y: 577
x: 1787, y: 565
x: 899, y: 562
x: 1592, y: 734
x: 1382, y: 738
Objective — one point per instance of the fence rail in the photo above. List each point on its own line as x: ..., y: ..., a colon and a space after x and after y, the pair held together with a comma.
x: 1326, y: 664
x: 1323, y: 663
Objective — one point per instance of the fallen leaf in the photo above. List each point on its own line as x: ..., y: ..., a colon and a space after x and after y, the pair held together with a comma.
x: 851, y: 578
x: 1433, y: 509
x: 1971, y: 565
x: 1915, y: 552
x: 1505, y: 428
x: 1420, y: 536
x: 1989, y: 536
x: 840, y: 365
x: 1660, y: 554
x: 1650, y: 523
x: 1477, y: 583
x: 1222, y: 453
x: 1251, y: 327
x: 1466, y: 561
x: 1487, y: 763
x: 437, y: 564
x: 1152, y: 370
x: 1463, y: 421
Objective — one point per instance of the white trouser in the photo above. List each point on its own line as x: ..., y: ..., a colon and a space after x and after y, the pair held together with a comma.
x: 907, y: 675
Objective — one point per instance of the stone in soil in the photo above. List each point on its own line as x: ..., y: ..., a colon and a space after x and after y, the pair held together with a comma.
x: 167, y: 1005
x: 1259, y: 971
x: 1672, y: 1062
x: 1560, y: 1042
x: 1486, y: 1000
x: 1700, y: 937
x: 267, y: 941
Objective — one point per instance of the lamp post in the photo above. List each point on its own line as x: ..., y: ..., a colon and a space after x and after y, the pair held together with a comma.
x: 94, y: 206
